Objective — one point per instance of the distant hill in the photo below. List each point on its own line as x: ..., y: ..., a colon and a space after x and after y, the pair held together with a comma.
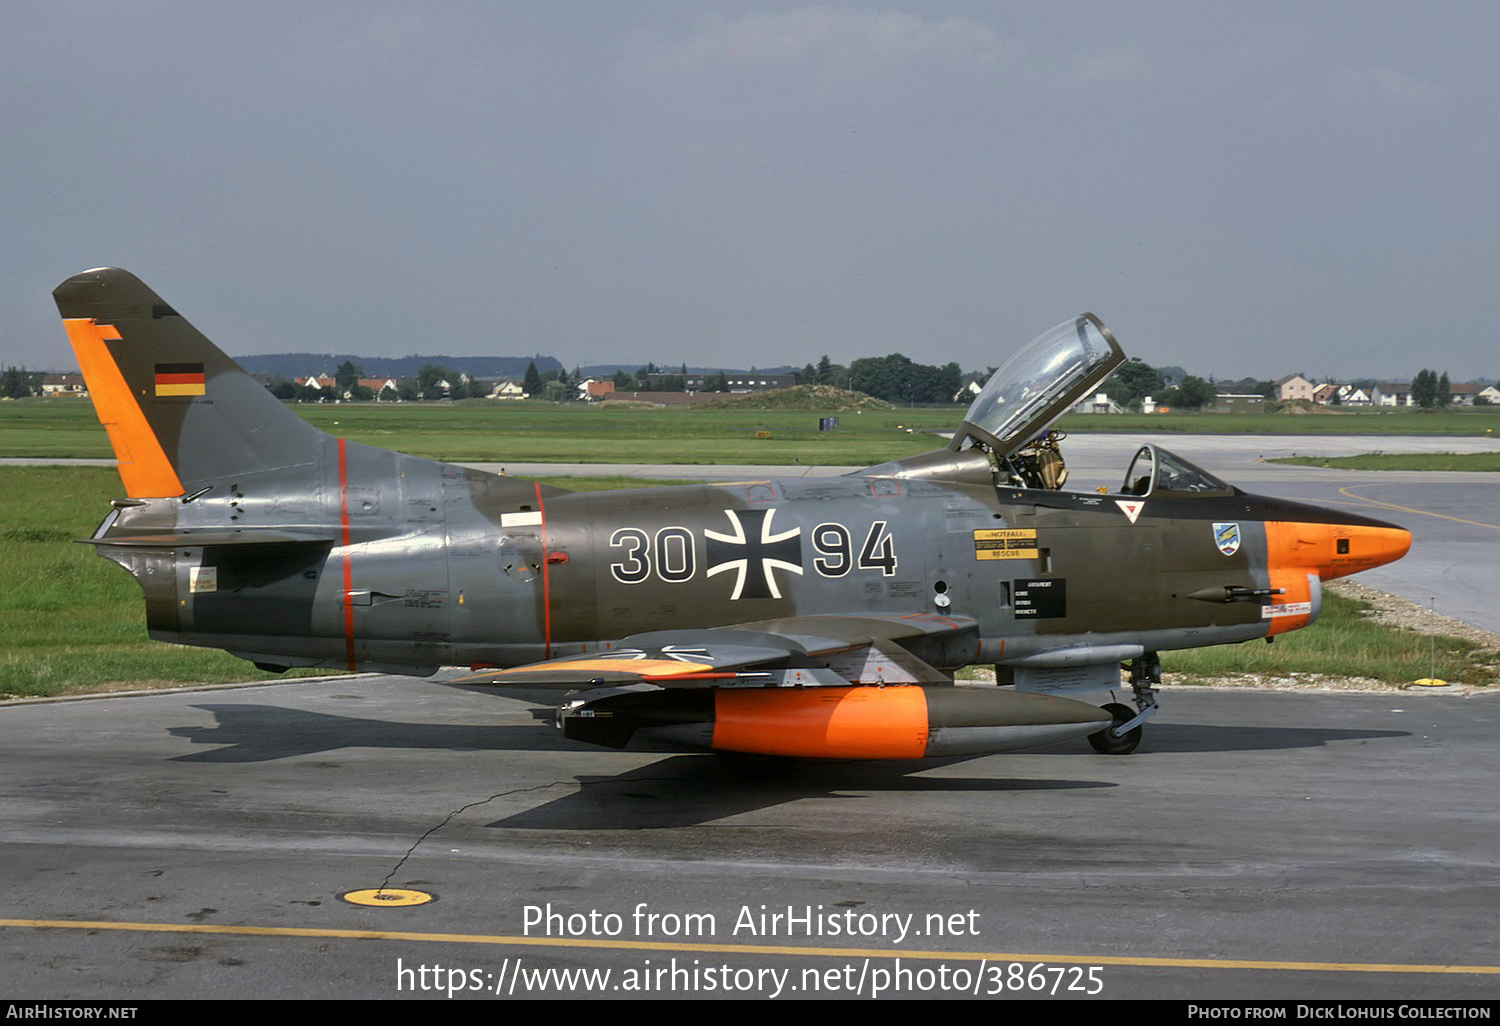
x: 293, y: 365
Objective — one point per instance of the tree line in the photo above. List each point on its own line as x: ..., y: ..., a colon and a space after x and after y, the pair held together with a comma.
x: 16, y: 383
x: 894, y: 378
x: 1430, y: 390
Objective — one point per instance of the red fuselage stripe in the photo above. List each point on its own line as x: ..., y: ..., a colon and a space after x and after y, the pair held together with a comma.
x: 546, y: 577
x: 348, y: 564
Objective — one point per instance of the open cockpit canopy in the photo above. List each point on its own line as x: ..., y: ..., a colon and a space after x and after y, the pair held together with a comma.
x: 1038, y: 384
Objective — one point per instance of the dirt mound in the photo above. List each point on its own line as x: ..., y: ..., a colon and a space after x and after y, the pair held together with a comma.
x: 805, y: 397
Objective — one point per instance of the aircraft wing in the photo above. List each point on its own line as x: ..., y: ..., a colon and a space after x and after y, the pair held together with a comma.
x: 801, y: 686
x: 790, y: 651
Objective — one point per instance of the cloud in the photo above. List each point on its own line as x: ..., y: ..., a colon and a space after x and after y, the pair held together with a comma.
x: 837, y: 39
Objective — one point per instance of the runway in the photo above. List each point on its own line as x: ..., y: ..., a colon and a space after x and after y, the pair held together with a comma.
x: 1258, y: 845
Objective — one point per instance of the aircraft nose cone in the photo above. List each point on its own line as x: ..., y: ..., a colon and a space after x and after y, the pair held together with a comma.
x: 1384, y: 544
x: 1356, y: 547
x: 1336, y: 549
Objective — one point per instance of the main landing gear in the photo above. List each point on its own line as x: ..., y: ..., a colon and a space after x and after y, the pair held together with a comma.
x: 1123, y: 735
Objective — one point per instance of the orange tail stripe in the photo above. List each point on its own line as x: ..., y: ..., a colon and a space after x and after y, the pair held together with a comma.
x: 144, y: 467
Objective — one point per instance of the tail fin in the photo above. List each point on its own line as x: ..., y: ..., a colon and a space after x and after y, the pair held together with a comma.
x: 179, y: 413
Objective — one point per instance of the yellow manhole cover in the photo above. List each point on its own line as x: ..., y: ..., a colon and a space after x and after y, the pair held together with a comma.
x: 386, y: 897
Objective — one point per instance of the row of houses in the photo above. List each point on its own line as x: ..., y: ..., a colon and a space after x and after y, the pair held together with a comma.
x: 1291, y: 387
x: 1295, y: 386
x: 592, y: 390
x: 386, y: 387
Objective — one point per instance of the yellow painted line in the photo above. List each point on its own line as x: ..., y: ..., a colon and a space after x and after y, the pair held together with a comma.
x: 1407, y: 509
x: 753, y: 949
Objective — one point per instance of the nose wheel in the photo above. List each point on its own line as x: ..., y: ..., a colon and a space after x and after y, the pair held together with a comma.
x: 1110, y: 741
x: 1123, y: 734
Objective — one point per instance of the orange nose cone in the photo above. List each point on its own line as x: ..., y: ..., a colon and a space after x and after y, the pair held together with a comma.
x: 1360, y: 548
x: 1335, y: 550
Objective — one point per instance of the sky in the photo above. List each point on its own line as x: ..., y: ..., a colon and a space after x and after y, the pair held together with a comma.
x: 1239, y: 189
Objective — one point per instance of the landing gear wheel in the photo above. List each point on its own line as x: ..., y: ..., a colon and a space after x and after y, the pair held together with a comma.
x: 1106, y: 743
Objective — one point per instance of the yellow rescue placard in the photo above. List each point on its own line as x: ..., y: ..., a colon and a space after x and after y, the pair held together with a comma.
x: 1005, y: 543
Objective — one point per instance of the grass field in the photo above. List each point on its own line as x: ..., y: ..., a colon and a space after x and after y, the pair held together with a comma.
x: 75, y: 623
x: 484, y: 431
x: 534, y: 432
x: 1471, y: 461
x: 1343, y: 643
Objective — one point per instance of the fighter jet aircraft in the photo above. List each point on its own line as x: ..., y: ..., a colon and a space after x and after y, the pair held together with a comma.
x: 801, y: 617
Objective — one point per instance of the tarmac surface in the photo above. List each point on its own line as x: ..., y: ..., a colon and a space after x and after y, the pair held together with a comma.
x: 1258, y: 845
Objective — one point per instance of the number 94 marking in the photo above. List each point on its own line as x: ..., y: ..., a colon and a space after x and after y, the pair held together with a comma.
x: 836, y: 550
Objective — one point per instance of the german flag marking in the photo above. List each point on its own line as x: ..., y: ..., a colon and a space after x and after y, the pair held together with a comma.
x: 179, y: 379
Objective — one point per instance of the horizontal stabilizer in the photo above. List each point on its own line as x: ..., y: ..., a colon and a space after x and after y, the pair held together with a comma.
x: 189, y: 537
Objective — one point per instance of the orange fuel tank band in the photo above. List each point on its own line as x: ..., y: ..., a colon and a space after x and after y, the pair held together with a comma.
x: 144, y: 467
x: 834, y: 723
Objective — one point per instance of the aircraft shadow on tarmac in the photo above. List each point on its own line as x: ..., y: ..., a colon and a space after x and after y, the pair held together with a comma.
x: 694, y: 789
x: 691, y: 789
x: 1178, y: 738
x: 261, y: 733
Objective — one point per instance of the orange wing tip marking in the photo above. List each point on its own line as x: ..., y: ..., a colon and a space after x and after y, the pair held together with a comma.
x: 647, y: 668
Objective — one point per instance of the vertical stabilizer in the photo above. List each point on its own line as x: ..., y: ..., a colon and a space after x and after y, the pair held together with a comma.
x: 180, y: 414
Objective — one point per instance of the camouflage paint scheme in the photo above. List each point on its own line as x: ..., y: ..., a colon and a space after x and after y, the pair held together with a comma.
x: 818, y: 617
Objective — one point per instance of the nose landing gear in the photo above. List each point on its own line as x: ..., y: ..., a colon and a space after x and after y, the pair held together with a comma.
x: 1123, y: 735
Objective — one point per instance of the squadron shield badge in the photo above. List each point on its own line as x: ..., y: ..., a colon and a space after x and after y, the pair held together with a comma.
x: 1227, y: 537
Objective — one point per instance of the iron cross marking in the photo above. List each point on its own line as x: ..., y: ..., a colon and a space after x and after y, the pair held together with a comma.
x: 752, y: 552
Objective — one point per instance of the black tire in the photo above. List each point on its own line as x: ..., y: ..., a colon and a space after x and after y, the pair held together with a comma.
x: 1107, y: 744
